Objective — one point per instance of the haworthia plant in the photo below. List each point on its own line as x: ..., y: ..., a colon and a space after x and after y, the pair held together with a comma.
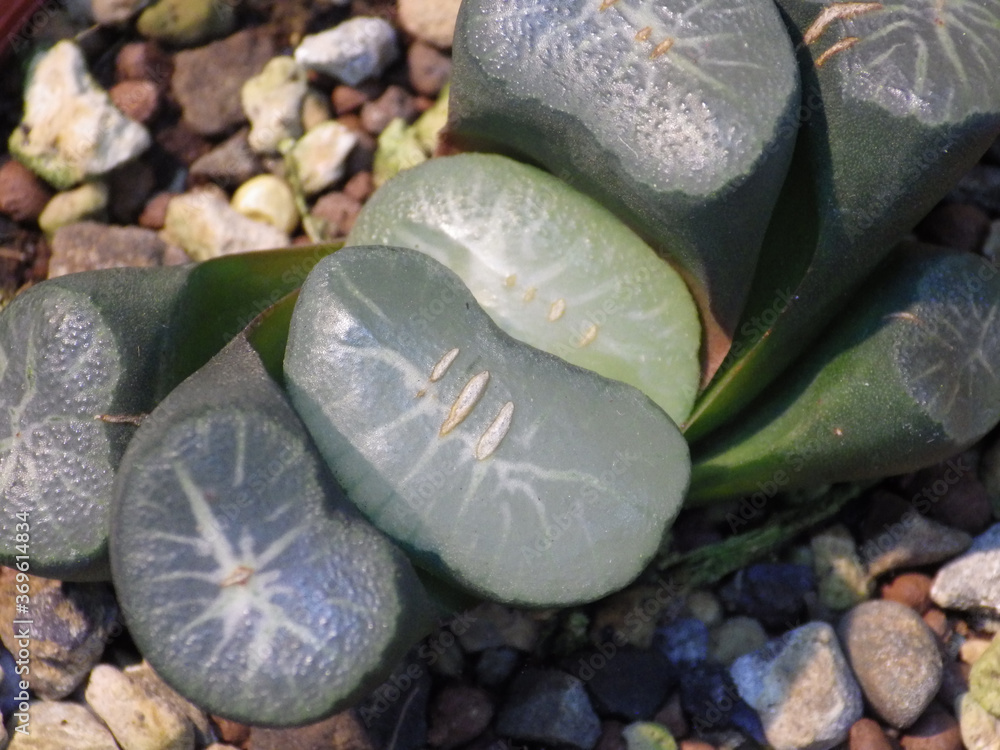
x: 498, y: 466
x: 675, y: 115
x: 899, y: 99
x: 550, y: 266
x: 247, y: 580
x: 907, y: 378
x: 78, y: 366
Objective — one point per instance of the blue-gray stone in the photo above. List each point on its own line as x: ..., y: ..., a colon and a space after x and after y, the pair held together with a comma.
x: 549, y: 707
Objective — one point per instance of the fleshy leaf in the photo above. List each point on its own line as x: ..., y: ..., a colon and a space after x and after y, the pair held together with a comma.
x: 246, y: 579
x: 899, y: 100
x: 78, y: 366
x: 908, y: 378
x: 675, y: 115
x: 550, y: 266
x: 517, y: 475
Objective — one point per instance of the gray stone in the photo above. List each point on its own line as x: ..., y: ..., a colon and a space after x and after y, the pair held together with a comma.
x: 841, y: 578
x: 802, y: 688
x: 207, y: 81
x: 735, y: 637
x: 682, y: 640
x: 352, y: 51
x: 71, y: 130
x: 72, y: 623
x: 229, y: 164
x: 90, y: 245
x: 63, y: 726
x: 206, y: 226
x: 972, y: 581
x: 148, y: 680
x: 911, y: 542
x: 549, y: 707
x: 272, y: 100
x: 895, y: 658
x: 137, y: 719
x: 492, y: 625
x: 980, y: 729
x: 112, y: 12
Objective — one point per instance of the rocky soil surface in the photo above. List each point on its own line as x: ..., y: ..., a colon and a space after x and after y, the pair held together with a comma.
x: 872, y: 631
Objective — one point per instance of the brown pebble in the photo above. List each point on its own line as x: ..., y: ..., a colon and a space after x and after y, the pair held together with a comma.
x: 936, y: 729
x: 671, y: 715
x: 429, y: 69
x: 938, y: 622
x: 154, y: 215
x: 338, y: 211
x: 231, y: 732
x: 458, y: 715
x: 181, y: 142
x: 347, y: 99
x: 138, y: 100
x: 129, y: 187
x: 360, y: 186
x: 611, y: 736
x: 956, y: 225
x: 867, y: 734
x: 395, y: 102
x: 144, y: 61
x: 22, y: 194
x: 911, y: 589
x: 695, y: 745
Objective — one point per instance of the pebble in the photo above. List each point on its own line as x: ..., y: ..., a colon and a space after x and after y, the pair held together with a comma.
x: 774, y: 593
x: 232, y: 732
x: 867, y: 734
x: 490, y: 625
x: 684, y: 640
x: 229, y: 164
x: 735, y: 637
x: 272, y: 101
x: 129, y: 187
x: 395, y: 102
x: 936, y: 729
x: 315, y: 110
x: 138, y: 100
x: 802, y: 688
x: 841, y: 578
x: 900, y: 537
x: 143, y: 61
x: 459, y: 714
x: 343, y: 731
x: 981, y: 186
x: 207, y: 81
x: 710, y: 698
x: 428, y: 69
x: 954, y: 681
x: 432, y: 21
x: 9, y: 680
x: 355, y: 50
x: 399, y: 148
x: 320, y: 156
x: 398, y: 718
x: 183, y: 143
x: 88, y: 201
x: 648, y: 735
x: 984, y: 680
x: 549, y: 707
x: 22, y: 195
x: 631, y: 616
x: 71, y: 131
x: 496, y: 665
x: 955, y: 225
x: 154, y: 214
x: 611, y: 736
x: 960, y: 499
x: 910, y: 589
x: 187, y: 23
x: 135, y: 718
x: 206, y: 226
x: 624, y: 683
x: 991, y: 251
x: 895, y: 659
x: 149, y: 681
x: 980, y: 729
x: 268, y: 199
x: 671, y: 715
x: 972, y: 581
x: 347, y: 99
x: 63, y: 726
x: 360, y: 186
x: 972, y: 648
x: 91, y: 245
x: 705, y: 606
x: 114, y: 12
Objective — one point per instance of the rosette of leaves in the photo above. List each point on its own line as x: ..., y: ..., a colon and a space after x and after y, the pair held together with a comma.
x: 906, y: 378
x: 678, y: 116
x: 551, y: 267
x: 246, y: 579
x: 898, y: 101
x: 498, y: 467
x: 83, y: 359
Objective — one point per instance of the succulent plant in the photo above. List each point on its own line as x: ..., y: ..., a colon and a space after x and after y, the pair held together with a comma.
x: 774, y: 155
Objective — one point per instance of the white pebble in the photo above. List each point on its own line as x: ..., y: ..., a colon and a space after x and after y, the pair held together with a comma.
x: 320, y: 154
x: 269, y: 199
x: 351, y: 51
